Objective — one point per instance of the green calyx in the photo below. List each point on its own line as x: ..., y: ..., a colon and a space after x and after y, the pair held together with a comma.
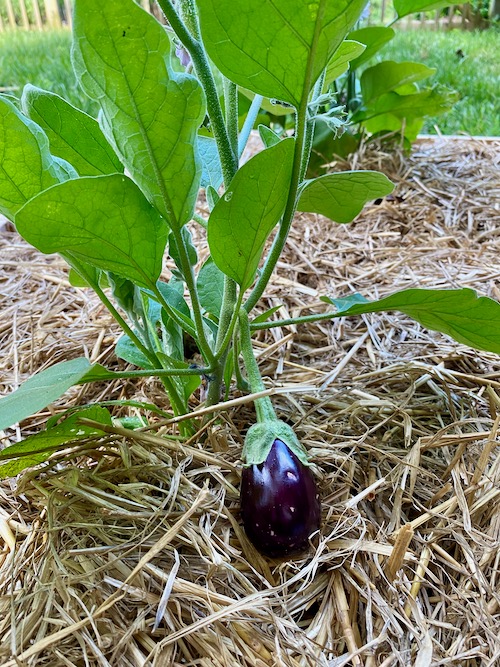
x: 261, y: 436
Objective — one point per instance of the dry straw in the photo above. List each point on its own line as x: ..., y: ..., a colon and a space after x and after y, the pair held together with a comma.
x: 128, y: 551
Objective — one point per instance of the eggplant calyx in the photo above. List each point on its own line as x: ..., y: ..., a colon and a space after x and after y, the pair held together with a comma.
x: 260, y: 439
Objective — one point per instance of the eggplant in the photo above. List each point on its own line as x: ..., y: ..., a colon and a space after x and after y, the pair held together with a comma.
x: 280, y: 504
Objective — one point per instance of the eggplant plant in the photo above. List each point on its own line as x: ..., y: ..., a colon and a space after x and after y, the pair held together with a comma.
x: 116, y: 195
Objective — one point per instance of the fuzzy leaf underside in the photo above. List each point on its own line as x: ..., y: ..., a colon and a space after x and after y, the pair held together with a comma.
x: 276, y: 48
x: 341, y: 196
x: 40, y: 390
x: 73, y: 135
x: 26, y: 164
x: 246, y: 214
x: 468, y: 318
x: 103, y: 220
x: 150, y: 113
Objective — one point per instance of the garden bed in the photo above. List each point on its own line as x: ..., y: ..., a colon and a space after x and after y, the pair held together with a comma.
x: 128, y: 550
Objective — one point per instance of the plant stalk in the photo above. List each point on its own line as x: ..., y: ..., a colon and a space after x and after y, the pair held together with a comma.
x: 229, y: 161
x: 263, y: 405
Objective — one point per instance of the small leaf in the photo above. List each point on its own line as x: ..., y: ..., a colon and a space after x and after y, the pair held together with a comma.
x: 374, y: 38
x: 151, y: 113
x: 246, y: 214
x: 188, y: 244
x: 268, y: 136
x: 27, y: 165
x: 264, y: 317
x: 339, y: 62
x: 341, y: 196
x: 276, y: 48
x: 40, y: 390
x: 468, y: 318
x: 212, y: 170
x: 210, y: 285
x: 103, y: 220
x: 405, y: 7
x: 126, y: 349
x: 185, y: 384
x: 39, y: 447
x: 388, y: 75
x: 73, y: 134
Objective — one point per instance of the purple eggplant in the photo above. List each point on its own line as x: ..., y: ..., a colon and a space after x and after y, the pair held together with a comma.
x: 280, y: 505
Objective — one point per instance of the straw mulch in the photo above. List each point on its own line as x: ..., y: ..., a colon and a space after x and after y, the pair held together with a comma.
x: 128, y: 551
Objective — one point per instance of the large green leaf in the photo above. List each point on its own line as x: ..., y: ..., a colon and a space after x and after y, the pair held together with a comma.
x: 405, y: 7
x: 103, y: 220
x: 429, y: 102
x: 210, y: 285
x: 341, y: 196
x: 73, y: 134
x: 374, y: 38
x: 26, y: 165
x: 460, y: 313
x: 339, y: 62
x: 151, y: 114
x: 246, y: 214
x: 388, y: 76
x: 40, y: 390
x: 39, y: 447
x: 276, y: 48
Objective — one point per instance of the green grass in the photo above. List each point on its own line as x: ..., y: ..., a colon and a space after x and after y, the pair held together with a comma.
x: 42, y: 59
x: 475, y: 75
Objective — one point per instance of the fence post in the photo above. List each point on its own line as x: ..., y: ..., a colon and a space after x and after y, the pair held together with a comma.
x: 68, y: 11
x: 52, y: 13
x: 37, y: 14
x: 10, y: 14
x: 24, y: 15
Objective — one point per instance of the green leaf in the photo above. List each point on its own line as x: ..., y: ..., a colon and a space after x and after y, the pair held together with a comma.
x: 276, y: 48
x: 339, y: 62
x: 405, y: 7
x: 103, y: 220
x: 39, y: 447
x: 151, y: 114
x: 246, y: 214
x: 212, y: 170
x: 73, y: 134
x: 341, y: 196
x: 374, y: 38
x: 126, y: 349
x: 189, y: 246
x: 269, y: 137
x: 460, y: 313
x: 425, y: 103
x: 185, y: 384
x: 26, y: 165
x: 388, y: 75
x: 210, y: 286
x: 40, y: 390
x: 264, y: 317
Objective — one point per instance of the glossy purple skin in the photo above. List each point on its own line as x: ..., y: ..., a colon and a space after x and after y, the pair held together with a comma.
x: 280, y: 505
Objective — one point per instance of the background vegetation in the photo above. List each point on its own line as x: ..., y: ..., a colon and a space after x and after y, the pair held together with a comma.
x: 465, y: 61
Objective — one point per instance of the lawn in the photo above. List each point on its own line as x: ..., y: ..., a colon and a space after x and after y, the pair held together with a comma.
x: 466, y: 61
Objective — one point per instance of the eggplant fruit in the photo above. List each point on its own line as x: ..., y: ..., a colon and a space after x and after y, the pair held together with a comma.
x: 280, y: 504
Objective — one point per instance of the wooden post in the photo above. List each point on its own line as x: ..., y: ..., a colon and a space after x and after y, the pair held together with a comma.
x: 24, y: 15
x: 10, y: 14
x: 451, y: 11
x: 37, y: 15
x: 68, y: 11
x: 382, y: 11
x: 52, y: 13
